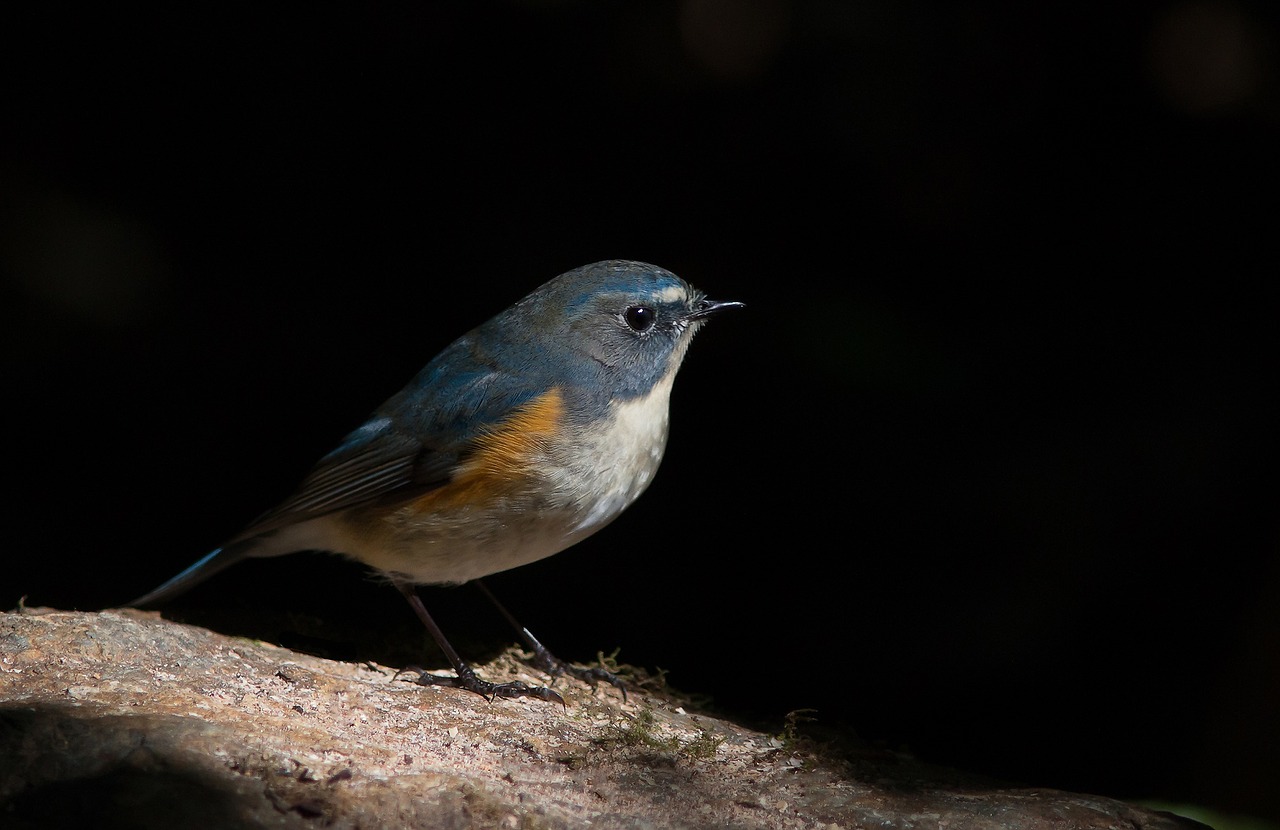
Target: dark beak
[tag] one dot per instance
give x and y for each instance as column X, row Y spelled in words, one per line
column 706, row 308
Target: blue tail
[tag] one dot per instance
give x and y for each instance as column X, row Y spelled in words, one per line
column 220, row 559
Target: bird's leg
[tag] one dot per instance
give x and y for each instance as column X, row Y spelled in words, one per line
column 466, row 677
column 548, row 662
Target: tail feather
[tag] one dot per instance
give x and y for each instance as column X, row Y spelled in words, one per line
column 215, row 562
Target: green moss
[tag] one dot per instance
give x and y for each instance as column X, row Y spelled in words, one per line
column 640, row 732
column 791, row 738
column 704, row 747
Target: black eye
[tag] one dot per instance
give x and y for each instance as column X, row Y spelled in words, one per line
column 639, row 317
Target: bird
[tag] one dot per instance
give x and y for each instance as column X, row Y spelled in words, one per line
column 521, row 438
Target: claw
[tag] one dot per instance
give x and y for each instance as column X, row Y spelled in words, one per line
column 548, row 662
column 554, row 666
column 490, row 691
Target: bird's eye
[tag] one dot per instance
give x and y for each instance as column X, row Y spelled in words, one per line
column 639, row 317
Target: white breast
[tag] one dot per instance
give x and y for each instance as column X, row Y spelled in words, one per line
column 617, row 464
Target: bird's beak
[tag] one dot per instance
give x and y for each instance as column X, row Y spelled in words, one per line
column 708, row 307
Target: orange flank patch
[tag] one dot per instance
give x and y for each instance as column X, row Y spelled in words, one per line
column 503, row 454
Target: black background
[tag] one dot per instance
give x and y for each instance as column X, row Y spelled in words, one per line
column 983, row 471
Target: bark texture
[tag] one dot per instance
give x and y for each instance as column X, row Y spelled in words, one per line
column 124, row 719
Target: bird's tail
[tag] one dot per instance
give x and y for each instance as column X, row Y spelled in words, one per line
column 223, row 557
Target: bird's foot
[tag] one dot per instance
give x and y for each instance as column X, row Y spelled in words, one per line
column 593, row 675
column 471, row 682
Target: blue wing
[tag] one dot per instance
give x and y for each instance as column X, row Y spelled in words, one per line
column 410, row 445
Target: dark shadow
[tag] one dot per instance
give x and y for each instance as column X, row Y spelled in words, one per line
column 62, row 767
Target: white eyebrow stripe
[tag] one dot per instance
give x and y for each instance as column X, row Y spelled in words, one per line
column 671, row 294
